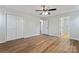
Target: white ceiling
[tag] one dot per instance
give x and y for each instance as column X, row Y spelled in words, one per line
column 31, row 8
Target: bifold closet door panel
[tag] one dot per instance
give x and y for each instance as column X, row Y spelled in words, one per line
column 2, row 27
column 11, row 27
column 19, row 27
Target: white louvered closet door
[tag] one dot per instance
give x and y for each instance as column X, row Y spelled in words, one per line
column 11, row 27
column 2, row 27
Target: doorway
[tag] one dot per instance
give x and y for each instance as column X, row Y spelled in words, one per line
column 44, row 27
column 64, row 28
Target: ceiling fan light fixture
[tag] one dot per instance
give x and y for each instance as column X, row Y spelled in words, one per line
column 45, row 13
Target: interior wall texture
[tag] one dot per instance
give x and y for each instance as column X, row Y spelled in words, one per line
column 31, row 26
column 15, row 25
column 54, row 24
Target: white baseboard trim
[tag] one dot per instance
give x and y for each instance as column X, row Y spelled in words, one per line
column 53, row 35
column 26, row 37
column 19, row 38
column 2, row 41
column 74, row 39
column 10, row 40
column 31, row 35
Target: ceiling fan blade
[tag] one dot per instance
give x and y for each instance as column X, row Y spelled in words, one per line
column 51, row 9
column 38, row 10
column 48, row 13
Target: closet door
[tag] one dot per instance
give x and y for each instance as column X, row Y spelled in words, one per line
column 2, row 27
column 11, row 27
column 19, row 27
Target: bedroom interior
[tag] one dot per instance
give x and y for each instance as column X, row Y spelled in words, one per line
column 39, row 28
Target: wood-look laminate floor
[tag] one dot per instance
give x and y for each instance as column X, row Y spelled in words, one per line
column 40, row 44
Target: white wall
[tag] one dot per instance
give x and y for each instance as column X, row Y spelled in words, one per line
column 19, row 27
column 73, row 24
column 53, row 26
column 15, row 25
column 31, row 26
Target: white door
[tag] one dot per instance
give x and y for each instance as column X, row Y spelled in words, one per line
column 45, row 26
column 64, row 27
column 19, row 27
column 11, row 27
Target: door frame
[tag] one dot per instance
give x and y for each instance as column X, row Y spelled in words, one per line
column 61, row 23
column 42, row 30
